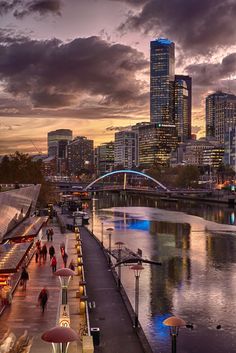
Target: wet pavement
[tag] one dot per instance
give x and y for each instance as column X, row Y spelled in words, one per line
column 24, row 312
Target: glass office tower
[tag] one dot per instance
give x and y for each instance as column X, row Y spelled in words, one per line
column 162, row 76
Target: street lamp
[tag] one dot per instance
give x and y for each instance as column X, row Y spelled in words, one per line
column 60, row 337
column 119, row 244
column 64, row 275
column 137, row 271
column 110, row 230
column 102, row 229
column 174, row 324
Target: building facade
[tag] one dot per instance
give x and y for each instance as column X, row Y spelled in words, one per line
column 125, row 148
column 183, row 106
column 105, row 158
column 156, row 143
column 54, row 137
column 162, row 76
column 220, row 114
column 80, row 155
column 230, row 148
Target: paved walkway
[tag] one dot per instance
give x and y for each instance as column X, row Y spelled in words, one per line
column 24, row 313
column 110, row 314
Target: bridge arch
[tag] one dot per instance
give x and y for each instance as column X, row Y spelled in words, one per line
column 125, row 171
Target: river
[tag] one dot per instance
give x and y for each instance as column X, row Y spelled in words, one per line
column 196, row 244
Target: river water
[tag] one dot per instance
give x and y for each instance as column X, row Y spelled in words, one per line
column 196, row 244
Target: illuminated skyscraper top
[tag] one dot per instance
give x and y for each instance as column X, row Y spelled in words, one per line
column 162, row 71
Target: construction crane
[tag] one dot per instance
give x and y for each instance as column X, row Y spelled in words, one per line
column 40, row 152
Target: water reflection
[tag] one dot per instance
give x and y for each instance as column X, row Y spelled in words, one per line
column 197, row 278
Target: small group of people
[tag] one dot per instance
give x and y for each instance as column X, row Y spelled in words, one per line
column 49, row 233
column 41, row 252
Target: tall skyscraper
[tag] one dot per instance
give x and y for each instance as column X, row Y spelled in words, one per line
column 162, row 76
column 220, row 114
column 183, row 106
column 54, row 137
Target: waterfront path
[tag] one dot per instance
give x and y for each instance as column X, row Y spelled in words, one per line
column 110, row 315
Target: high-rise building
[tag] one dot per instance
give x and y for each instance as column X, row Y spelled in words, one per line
column 220, row 114
column 162, row 76
column 54, row 137
column 156, row 143
column 230, row 148
column 125, row 149
column 80, row 155
column 105, row 158
column 183, row 106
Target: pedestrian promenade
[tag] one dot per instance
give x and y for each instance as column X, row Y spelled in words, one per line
column 110, row 315
column 24, row 312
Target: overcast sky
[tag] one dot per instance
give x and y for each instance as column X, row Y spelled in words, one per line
column 84, row 64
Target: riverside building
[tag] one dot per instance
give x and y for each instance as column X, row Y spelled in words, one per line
column 156, row 143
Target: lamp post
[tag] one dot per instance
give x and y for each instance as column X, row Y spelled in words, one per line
column 174, row 324
column 119, row 244
column 110, row 230
column 64, row 275
column 102, row 230
column 137, row 271
column 60, row 337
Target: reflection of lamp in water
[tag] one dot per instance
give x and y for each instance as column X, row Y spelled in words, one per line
column 137, row 271
column 119, row 244
column 64, row 275
column 60, row 337
column 110, row 230
column 174, row 324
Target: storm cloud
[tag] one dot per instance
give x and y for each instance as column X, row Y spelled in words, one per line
column 52, row 74
column 21, row 8
column 197, row 26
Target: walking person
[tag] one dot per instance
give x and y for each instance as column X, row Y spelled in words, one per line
column 48, row 234
column 37, row 255
column 24, row 278
column 64, row 258
column 51, row 251
column 51, row 234
column 44, row 251
column 54, row 264
column 43, row 298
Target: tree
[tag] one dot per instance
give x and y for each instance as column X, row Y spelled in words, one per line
column 188, row 176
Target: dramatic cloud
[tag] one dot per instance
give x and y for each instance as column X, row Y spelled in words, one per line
column 21, row 8
column 198, row 26
column 52, row 74
column 212, row 75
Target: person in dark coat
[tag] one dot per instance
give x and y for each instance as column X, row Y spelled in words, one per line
column 43, row 298
column 51, row 251
column 24, row 277
column 44, row 251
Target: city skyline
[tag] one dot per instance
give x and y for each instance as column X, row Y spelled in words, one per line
column 46, row 84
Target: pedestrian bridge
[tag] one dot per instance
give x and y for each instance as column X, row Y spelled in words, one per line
column 126, row 180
